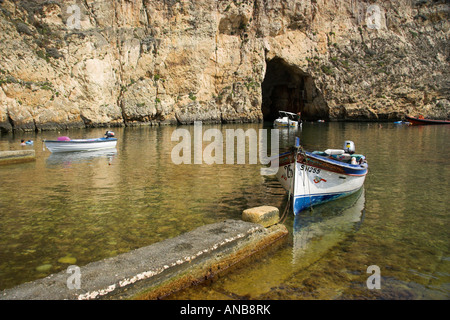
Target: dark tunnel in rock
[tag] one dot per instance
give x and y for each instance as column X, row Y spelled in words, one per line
column 287, row 88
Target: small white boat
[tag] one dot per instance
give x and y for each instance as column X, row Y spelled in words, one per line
column 65, row 144
column 321, row 176
column 287, row 119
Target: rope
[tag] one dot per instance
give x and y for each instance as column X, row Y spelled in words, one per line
column 305, row 177
column 291, row 188
column 309, row 192
column 286, row 209
column 288, row 203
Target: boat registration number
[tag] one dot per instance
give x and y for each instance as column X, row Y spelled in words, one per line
column 306, row 168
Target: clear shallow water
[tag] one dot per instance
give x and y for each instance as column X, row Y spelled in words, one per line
column 62, row 210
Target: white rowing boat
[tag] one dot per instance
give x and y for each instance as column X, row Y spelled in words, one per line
column 65, row 144
column 287, row 119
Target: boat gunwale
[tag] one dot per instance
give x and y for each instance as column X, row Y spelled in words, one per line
column 358, row 167
column 81, row 140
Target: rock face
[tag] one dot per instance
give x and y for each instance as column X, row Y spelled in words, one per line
column 88, row 63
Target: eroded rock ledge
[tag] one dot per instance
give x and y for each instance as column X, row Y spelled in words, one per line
column 145, row 62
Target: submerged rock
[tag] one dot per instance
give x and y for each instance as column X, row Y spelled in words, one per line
column 68, row 260
column 44, row 267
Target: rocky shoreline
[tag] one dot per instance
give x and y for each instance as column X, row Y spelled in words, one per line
column 119, row 63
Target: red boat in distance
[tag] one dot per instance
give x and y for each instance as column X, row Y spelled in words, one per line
column 421, row 120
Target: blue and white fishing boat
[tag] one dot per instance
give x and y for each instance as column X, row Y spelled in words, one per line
column 320, row 176
column 65, row 144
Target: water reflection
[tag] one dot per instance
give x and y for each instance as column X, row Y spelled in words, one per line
column 67, row 158
column 94, row 205
column 326, row 225
column 287, row 135
column 399, row 223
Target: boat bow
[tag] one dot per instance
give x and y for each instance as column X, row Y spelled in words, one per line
column 317, row 177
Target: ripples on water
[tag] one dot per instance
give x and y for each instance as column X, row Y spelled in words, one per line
column 63, row 209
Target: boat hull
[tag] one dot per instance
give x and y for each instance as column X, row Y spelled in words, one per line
column 80, row 145
column 418, row 121
column 316, row 179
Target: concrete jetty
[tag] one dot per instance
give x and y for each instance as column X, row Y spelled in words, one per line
column 157, row 270
column 16, row 156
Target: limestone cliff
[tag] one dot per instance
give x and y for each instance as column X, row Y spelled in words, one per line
column 132, row 62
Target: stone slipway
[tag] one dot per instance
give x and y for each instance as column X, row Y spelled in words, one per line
column 16, row 156
column 160, row 269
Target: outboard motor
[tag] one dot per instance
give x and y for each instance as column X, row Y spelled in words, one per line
column 109, row 134
column 349, row 147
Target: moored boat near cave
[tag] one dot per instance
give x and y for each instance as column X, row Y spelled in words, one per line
column 316, row 177
column 422, row 121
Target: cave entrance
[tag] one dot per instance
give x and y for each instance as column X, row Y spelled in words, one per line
column 288, row 88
